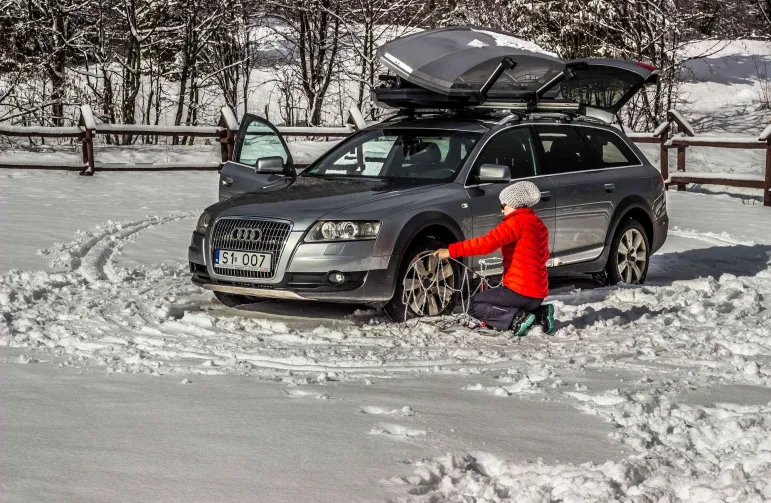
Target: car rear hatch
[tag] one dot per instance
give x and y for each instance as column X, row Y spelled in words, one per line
column 465, row 66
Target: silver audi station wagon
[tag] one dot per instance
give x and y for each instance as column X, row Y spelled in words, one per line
column 472, row 113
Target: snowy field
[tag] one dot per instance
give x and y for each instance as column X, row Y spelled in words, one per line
column 124, row 382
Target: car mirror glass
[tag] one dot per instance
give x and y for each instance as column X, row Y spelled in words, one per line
column 270, row 165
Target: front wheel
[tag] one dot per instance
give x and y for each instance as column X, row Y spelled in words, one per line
column 425, row 285
column 629, row 255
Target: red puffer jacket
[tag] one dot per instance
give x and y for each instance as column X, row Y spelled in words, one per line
column 524, row 242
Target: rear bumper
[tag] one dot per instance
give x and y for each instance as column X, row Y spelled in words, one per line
column 660, row 232
column 369, row 280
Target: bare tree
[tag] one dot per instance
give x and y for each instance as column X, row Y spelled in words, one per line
column 47, row 34
column 311, row 31
column 367, row 24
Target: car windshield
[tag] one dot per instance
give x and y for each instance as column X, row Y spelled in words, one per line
column 419, row 154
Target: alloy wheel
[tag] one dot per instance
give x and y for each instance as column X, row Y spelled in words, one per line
column 632, row 257
column 429, row 285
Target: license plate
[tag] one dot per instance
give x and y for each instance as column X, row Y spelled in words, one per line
column 247, row 261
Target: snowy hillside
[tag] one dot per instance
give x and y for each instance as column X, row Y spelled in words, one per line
column 728, row 91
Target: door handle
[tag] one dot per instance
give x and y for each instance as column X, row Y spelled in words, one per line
column 545, row 195
column 227, row 181
column 610, row 187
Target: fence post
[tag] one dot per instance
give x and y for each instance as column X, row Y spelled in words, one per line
column 227, row 138
column 766, row 137
column 662, row 133
column 88, row 123
column 357, row 118
column 767, row 188
column 684, row 127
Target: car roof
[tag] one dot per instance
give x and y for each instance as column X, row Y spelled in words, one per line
column 487, row 123
column 450, row 123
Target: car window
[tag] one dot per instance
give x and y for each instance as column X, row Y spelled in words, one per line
column 259, row 141
column 613, row 150
column 399, row 153
column 564, row 151
column 513, row 148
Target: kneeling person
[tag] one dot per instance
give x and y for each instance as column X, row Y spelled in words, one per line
column 524, row 243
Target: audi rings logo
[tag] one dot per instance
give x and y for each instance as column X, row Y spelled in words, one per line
column 242, row 234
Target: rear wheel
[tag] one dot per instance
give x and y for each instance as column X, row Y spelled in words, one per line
column 425, row 285
column 233, row 300
column 629, row 256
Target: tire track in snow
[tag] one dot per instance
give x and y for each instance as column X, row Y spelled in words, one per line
column 722, row 239
column 96, row 263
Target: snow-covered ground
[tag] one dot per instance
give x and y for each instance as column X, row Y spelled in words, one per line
column 122, row 381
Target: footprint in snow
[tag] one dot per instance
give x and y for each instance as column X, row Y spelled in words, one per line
column 298, row 393
column 397, row 431
column 380, row 411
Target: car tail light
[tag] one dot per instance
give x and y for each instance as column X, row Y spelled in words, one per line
column 646, row 66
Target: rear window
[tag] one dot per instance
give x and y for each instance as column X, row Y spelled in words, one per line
column 564, row 151
column 613, row 150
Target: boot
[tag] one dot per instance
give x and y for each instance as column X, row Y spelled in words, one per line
column 522, row 322
column 545, row 318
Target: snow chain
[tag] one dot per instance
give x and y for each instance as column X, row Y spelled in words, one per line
column 423, row 283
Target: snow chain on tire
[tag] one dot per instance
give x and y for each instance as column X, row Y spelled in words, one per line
column 420, row 291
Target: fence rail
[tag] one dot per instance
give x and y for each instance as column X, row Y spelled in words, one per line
column 676, row 133
column 86, row 130
column 684, row 137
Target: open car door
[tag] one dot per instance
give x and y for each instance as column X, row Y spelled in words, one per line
column 602, row 87
column 261, row 160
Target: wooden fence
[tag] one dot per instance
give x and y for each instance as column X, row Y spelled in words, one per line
column 675, row 133
column 87, row 129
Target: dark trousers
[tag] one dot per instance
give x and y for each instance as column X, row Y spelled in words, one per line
column 498, row 306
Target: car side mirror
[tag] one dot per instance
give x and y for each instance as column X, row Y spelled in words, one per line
column 494, row 173
column 270, row 165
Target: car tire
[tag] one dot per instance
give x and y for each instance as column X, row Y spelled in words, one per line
column 629, row 256
column 232, row 300
column 397, row 310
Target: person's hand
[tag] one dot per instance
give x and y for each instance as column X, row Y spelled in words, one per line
column 442, row 253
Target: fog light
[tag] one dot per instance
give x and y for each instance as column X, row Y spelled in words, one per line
column 336, row 278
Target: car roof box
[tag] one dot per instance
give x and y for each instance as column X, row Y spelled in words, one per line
column 460, row 67
column 450, row 66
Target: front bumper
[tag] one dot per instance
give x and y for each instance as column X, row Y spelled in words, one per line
column 303, row 270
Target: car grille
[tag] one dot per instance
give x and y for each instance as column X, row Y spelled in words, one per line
column 273, row 237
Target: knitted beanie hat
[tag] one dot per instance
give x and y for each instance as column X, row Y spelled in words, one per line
column 521, row 195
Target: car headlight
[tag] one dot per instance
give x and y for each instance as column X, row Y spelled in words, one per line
column 334, row 230
column 203, row 222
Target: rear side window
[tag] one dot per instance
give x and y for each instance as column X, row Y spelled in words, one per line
column 513, row 148
column 564, row 150
column 613, row 150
